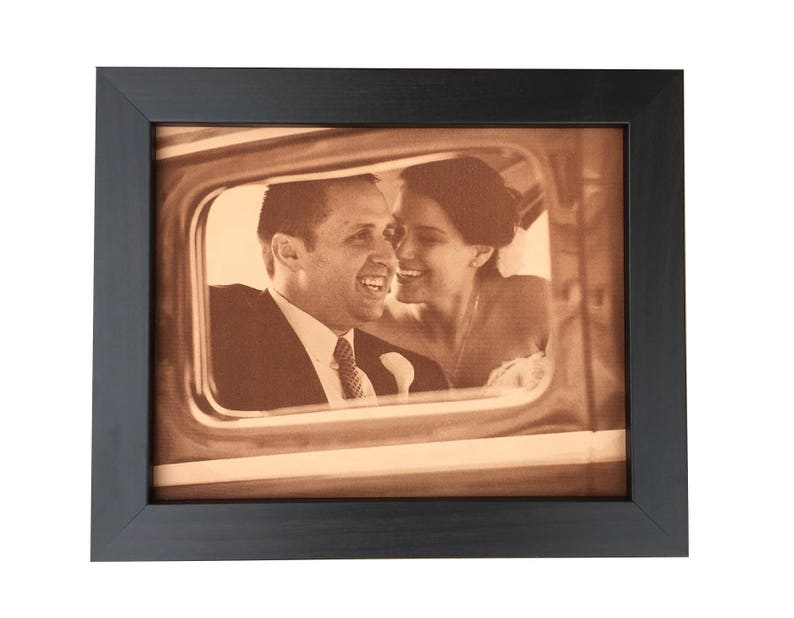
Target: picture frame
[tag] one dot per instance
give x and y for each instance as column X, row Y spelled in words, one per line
column 127, row 524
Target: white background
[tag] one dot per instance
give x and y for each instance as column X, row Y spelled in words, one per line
column 739, row 236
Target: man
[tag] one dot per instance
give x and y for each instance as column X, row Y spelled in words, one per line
column 327, row 246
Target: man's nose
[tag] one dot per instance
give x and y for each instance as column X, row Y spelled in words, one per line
column 384, row 254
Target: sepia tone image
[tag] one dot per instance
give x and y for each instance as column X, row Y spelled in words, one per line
column 389, row 312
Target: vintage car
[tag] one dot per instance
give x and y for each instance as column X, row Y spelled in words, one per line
column 566, row 436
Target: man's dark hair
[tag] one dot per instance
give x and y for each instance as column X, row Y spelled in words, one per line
column 296, row 208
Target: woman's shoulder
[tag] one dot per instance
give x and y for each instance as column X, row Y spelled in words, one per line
column 518, row 284
column 518, row 305
column 526, row 295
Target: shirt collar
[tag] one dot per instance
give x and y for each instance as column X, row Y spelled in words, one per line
column 318, row 340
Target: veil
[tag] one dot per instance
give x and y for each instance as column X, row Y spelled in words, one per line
column 528, row 252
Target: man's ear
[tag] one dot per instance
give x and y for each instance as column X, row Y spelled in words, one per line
column 287, row 251
column 482, row 255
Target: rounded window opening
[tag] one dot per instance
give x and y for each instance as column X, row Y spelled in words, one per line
column 434, row 268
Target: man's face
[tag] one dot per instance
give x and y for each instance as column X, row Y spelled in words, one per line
column 345, row 277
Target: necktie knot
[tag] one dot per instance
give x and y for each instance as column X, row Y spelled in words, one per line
column 348, row 375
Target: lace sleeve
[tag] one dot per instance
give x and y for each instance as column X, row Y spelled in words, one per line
column 526, row 372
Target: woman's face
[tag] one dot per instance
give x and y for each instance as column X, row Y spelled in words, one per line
column 434, row 262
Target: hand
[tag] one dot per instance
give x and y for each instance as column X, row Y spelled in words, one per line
column 525, row 372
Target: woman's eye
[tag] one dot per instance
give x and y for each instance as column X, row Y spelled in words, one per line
column 361, row 235
column 428, row 240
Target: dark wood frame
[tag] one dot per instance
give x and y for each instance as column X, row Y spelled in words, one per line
column 126, row 525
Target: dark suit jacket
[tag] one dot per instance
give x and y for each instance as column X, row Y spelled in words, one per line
column 258, row 362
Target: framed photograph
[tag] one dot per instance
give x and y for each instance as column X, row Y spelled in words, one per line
column 388, row 313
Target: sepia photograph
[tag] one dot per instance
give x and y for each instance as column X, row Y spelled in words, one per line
column 423, row 309
column 349, row 312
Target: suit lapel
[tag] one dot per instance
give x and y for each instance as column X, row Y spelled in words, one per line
column 293, row 378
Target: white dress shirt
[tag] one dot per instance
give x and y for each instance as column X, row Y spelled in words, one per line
column 319, row 341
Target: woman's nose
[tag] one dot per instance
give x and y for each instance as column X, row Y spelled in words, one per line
column 405, row 248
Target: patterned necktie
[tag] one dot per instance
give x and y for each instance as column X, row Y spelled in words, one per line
column 351, row 381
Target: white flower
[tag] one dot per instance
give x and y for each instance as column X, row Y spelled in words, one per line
column 402, row 370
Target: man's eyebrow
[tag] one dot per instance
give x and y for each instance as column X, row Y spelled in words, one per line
column 366, row 225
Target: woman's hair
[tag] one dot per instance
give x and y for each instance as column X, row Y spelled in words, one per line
column 474, row 196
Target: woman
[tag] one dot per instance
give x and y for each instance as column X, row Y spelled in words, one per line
column 449, row 300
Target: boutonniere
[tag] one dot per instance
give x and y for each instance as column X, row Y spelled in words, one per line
column 402, row 370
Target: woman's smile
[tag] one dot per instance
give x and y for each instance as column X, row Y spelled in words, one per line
column 409, row 275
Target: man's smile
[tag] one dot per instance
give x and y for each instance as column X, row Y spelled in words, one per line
column 374, row 283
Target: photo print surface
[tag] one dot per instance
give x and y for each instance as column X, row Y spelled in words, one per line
column 389, row 312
